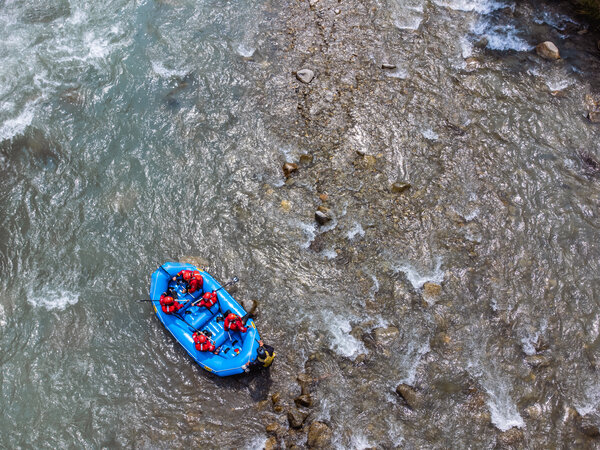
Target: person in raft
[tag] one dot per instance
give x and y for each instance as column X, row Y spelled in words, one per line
column 265, row 354
column 208, row 300
column 195, row 284
column 233, row 322
column 191, row 280
column 169, row 306
column 204, row 344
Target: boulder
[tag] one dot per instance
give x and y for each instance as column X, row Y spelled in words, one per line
column 510, row 437
column 289, row 168
column 547, row 50
column 296, row 418
column 432, row 289
column 399, row 187
column 588, row 426
column 305, row 75
column 250, row 306
column 594, row 116
column 319, row 435
column 271, row 443
column 275, row 398
column 409, row 395
column 303, row 400
column 197, row 261
column 272, row 428
column 323, row 215
column 385, row 336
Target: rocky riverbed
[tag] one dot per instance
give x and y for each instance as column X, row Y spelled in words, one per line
column 408, row 192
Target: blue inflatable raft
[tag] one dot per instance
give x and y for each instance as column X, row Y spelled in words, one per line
column 237, row 349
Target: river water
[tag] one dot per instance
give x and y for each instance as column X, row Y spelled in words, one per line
column 138, row 132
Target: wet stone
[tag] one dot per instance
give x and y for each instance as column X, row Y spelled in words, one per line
column 594, row 116
column 589, row 427
column 432, row 289
column 388, row 66
column 271, row 443
column 296, row 418
column 538, row 361
column 272, row 428
column 322, row 217
column 323, row 197
column 303, row 400
column 289, row 168
column 510, row 437
column 305, row 75
column 399, row 187
column 250, row 306
column 275, row 398
column 385, row 336
column 409, row 395
column 319, row 435
column 306, row 159
column 547, row 50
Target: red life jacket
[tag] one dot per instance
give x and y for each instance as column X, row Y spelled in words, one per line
column 166, row 300
column 209, row 299
column 169, row 309
column 195, row 284
column 234, row 323
column 203, row 344
column 185, row 274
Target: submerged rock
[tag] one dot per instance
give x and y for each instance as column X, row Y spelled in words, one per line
column 399, row 187
column 303, row 400
column 250, row 306
column 271, row 443
column 432, row 289
column 296, row 417
column 319, row 435
column 588, row 426
column 305, row 75
column 197, row 261
column 323, row 215
column 385, row 336
column 272, row 428
column 409, row 395
column 510, row 437
column 547, row 50
column 289, row 168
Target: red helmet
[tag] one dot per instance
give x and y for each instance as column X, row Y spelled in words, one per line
column 232, row 316
column 187, row 274
column 196, row 274
column 201, row 339
column 206, row 296
column 168, row 300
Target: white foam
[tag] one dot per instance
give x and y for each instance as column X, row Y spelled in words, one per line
column 419, row 279
column 162, row 71
column 502, row 408
column 472, row 215
column 245, row 51
column 559, row 85
column 357, row 230
column 375, row 288
column 501, row 37
column 16, row 126
column 329, row 254
column 308, row 230
column 398, row 73
column 415, row 354
column 430, row 134
column 479, row 6
column 410, row 22
column 591, row 401
column 51, row 299
column 256, row 443
column 3, row 320
column 342, row 341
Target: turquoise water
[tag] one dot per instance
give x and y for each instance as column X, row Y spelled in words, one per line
column 132, row 133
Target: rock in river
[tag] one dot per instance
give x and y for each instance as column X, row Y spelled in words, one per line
column 385, row 336
column 303, row 400
column 400, row 187
column 319, row 435
column 409, row 395
column 548, row 50
column 305, row 75
column 289, row 168
column 296, row 418
column 323, row 215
